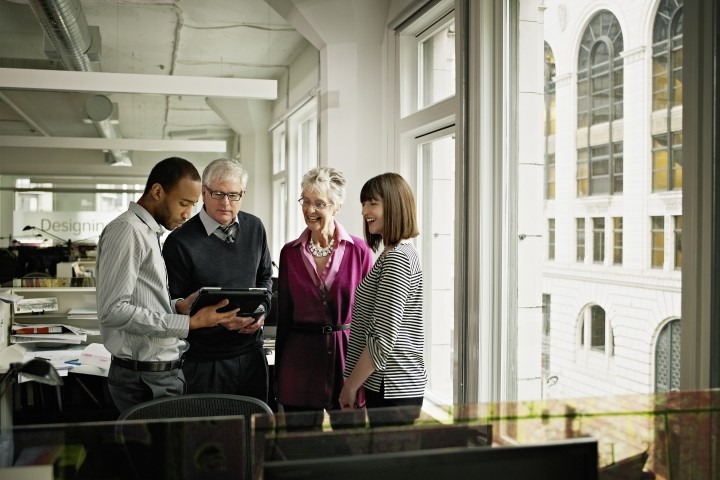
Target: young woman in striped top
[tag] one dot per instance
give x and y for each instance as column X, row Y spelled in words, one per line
column 386, row 350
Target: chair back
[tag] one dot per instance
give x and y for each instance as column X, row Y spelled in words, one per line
column 204, row 448
column 196, row 405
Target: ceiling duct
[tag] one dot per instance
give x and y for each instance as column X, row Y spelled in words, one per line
column 99, row 110
column 64, row 22
column 78, row 47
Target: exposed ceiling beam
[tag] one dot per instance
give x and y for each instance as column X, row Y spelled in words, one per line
column 22, row 114
column 149, row 145
column 28, row 79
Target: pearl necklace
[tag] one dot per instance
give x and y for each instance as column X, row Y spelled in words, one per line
column 318, row 251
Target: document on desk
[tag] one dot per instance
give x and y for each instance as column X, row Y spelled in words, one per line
column 58, row 358
column 92, row 359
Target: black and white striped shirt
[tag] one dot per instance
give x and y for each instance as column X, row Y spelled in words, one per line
column 387, row 318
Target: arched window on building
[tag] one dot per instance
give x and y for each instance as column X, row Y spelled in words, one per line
column 594, row 330
column 549, row 123
column 600, row 104
column 667, row 357
column 666, row 122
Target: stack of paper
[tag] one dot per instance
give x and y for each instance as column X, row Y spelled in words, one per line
column 82, row 314
column 47, row 333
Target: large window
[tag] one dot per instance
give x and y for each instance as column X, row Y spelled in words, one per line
column 436, row 186
column 295, row 151
column 600, row 71
column 667, row 96
column 554, row 119
column 425, row 48
column 549, row 123
column 599, row 105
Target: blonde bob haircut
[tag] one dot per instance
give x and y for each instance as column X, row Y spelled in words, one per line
column 399, row 213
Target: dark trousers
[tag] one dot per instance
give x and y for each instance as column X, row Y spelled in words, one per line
column 383, row 411
column 129, row 388
column 246, row 375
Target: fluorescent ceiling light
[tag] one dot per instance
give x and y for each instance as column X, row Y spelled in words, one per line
column 137, row 144
column 71, row 81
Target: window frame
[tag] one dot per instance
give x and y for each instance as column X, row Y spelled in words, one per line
column 297, row 149
column 415, row 127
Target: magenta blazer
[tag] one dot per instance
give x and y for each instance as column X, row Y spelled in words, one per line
column 309, row 347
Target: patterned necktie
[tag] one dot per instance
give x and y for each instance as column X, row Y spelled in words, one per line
column 227, row 232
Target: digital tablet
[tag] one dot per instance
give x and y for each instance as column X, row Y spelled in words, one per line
column 246, row 299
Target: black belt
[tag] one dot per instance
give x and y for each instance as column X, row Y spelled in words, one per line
column 139, row 366
column 321, row 328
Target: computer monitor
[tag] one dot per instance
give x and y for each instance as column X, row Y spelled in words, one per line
column 576, row 459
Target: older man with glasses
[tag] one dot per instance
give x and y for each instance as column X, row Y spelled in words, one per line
column 223, row 247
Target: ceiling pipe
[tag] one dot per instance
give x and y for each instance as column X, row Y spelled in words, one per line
column 65, row 24
column 99, row 110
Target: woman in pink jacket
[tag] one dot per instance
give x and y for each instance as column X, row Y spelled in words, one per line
column 316, row 287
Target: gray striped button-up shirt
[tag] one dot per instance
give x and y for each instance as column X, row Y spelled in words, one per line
column 137, row 317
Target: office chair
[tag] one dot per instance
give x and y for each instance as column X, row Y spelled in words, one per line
column 205, row 448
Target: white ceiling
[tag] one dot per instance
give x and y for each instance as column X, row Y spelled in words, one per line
column 202, row 38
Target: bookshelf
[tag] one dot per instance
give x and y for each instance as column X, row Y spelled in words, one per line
column 83, row 397
column 68, row 298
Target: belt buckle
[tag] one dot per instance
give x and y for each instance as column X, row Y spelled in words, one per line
column 326, row 329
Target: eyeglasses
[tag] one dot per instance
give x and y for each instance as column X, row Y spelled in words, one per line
column 305, row 203
column 233, row 197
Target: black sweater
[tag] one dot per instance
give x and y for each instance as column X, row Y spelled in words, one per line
column 195, row 259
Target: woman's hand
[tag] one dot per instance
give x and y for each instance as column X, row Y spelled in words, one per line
column 348, row 396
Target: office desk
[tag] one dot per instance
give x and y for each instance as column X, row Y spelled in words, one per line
column 82, row 398
column 673, row 436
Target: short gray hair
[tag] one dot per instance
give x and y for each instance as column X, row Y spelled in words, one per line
column 325, row 180
column 222, row 169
